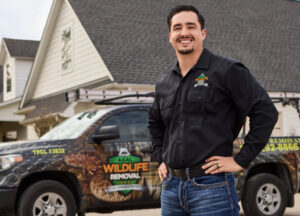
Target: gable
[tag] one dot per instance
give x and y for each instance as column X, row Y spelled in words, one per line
column 16, row 56
column 86, row 64
column 9, row 78
column 8, row 73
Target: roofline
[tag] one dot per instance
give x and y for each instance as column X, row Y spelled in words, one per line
column 9, row 102
column 24, row 58
column 50, row 24
column 18, row 39
column 25, row 110
column 128, row 86
column 69, row 89
column 2, row 53
column 284, row 91
column 95, row 49
column 31, row 120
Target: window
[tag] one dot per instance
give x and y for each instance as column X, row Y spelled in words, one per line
column 8, row 78
column 66, row 51
column 9, row 136
column 132, row 125
column 75, row 126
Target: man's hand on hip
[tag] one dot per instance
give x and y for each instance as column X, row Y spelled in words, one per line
column 162, row 171
column 218, row 164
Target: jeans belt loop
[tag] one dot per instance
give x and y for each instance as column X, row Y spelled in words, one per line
column 187, row 171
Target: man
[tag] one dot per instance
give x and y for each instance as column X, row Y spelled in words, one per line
column 199, row 109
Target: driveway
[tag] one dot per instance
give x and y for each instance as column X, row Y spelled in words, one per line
column 156, row 212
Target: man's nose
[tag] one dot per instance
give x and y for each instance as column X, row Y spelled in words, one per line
column 184, row 32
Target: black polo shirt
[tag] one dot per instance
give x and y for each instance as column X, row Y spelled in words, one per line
column 199, row 115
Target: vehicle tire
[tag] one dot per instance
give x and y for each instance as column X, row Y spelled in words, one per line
column 264, row 195
column 47, row 197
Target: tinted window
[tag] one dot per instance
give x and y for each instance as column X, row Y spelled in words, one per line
column 132, row 125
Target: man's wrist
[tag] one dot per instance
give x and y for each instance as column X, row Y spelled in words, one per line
column 242, row 164
column 159, row 163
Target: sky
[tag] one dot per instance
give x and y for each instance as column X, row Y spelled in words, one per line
column 23, row 19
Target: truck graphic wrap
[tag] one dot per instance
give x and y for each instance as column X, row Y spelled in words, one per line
column 279, row 150
column 125, row 171
column 109, row 175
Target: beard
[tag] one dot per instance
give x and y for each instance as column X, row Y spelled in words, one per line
column 184, row 52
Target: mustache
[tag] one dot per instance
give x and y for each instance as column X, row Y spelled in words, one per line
column 184, row 37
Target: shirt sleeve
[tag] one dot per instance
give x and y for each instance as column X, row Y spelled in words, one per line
column 157, row 131
column 251, row 100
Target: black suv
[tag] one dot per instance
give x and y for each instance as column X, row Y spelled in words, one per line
column 95, row 161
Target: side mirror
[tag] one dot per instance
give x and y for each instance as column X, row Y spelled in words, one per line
column 106, row 133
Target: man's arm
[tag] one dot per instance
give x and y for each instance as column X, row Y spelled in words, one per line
column 251, row 100
column 157, row 132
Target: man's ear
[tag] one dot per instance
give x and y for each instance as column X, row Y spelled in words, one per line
column 170, row 37
column 203, row 31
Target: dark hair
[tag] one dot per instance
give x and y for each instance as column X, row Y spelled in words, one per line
column 181, row 8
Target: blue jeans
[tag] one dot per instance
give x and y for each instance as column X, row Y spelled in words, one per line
column 211, row 195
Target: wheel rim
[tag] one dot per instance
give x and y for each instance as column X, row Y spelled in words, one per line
column 49, row 204
column 268, row 199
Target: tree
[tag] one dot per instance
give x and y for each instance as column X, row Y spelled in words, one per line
column 46, row 122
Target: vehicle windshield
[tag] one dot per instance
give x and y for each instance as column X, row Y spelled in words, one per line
column 73, row 127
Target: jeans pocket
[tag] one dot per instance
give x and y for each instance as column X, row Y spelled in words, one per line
column 165, row 182
column 199, row 183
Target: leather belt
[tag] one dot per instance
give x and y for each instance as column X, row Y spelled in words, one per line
column 194, row 171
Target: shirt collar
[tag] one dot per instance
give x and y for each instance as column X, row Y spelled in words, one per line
column 203, row 62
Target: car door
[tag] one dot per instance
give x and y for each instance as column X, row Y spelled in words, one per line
column 127, row 173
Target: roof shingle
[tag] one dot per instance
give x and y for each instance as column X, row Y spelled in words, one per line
column 21, row 48
column 132, row 37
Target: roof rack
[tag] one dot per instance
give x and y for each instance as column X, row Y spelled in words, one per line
column 115, row 97
column 286, row 98
column 105, row 97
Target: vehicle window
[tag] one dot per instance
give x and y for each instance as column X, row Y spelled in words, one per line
column 132, row 125
column 75, row 126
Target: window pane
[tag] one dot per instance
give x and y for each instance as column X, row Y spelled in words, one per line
column 75, row 126
column 132, row 125
column 8, row 78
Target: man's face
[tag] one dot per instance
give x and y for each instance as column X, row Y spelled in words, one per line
column 185, row 34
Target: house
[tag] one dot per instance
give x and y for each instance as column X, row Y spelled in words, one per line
column 16, row 58
column 124, row 45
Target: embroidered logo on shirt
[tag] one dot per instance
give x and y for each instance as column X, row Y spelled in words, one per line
column 201, row 80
